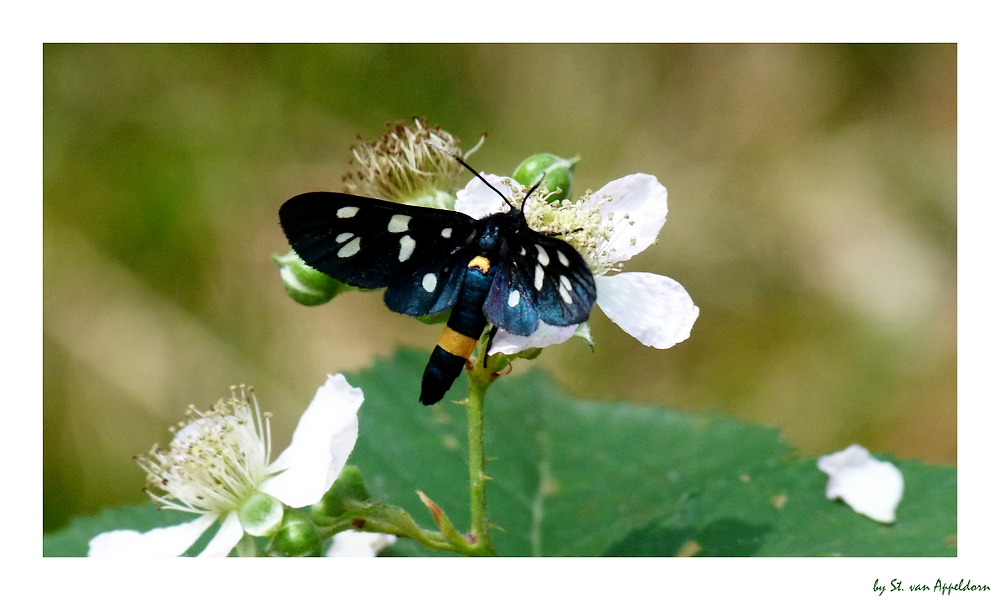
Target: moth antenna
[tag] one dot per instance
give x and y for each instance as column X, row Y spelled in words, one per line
column 474, row 172
column 541, row 178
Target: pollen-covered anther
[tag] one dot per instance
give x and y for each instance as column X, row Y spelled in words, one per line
column 578, row 222
column 216, row 460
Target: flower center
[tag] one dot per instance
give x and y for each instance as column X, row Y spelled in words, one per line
column 216, row 460
column 578, row 222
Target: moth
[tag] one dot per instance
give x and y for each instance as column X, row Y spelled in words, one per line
column 495, row 270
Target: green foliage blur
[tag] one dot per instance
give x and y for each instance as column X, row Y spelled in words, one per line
column 812, row 196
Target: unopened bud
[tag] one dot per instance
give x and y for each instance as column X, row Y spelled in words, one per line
column 556, row 171
column 347, row 492
column 297, row 537
column 305, row 284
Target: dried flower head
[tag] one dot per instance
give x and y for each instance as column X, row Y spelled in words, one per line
column 401, row 167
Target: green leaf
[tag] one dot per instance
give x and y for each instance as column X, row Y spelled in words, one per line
column 575, row 477
column 585, row 478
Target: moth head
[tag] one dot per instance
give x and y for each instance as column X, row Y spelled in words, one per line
column 506, row 200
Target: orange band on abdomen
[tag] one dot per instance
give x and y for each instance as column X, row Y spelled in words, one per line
column 455, row 343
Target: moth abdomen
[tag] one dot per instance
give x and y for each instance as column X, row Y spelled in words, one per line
column 495, row 269
column 460, row 335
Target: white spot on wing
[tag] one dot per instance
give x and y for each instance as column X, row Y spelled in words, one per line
column 347, row 212
column 523, row 252
column 350, row 248
column 430, row 282
column 446, row 232
column 344, row 237
column 539, row 277
column 564, row 288
column 562, row 258
column 543, row 256
column 399, row 223
column 513, row 298
column 406, row 246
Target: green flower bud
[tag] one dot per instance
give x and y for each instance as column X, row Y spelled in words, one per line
column 260, row 514
column 346, row 493
column 297, row 537
column 305, row 284
column 558, row 172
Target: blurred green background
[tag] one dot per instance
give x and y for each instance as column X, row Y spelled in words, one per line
column 812, row 219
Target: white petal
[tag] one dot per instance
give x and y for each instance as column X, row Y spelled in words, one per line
column 320, row 445
column 654, row 309
column 477, row 200
column 545, row 335
column 870, row 486
column 163, row 541
column 226, row 538
column 644, row 200
column 359, row 543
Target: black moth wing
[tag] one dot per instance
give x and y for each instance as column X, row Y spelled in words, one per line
column 539, row 278
column 371, row 244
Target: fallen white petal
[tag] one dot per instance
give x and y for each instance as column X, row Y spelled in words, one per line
column 869, row 486
column 644, row 200
column 477, row 200
column 359, row 543
column 654, row 309
column 162, row 541
column 546, row 335
column 226, row 538
column 320, row 446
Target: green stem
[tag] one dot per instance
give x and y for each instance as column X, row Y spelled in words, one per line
column 364, row 516
column 480, row 379
column 401, row 526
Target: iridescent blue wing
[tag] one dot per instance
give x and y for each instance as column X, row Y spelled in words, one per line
column 539, row 278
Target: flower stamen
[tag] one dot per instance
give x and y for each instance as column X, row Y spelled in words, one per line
column 217, row 458
column 400, row 166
